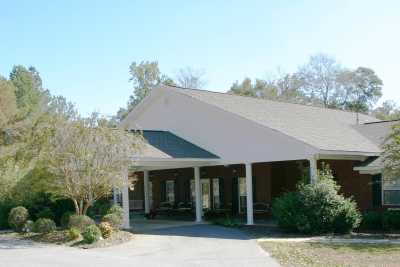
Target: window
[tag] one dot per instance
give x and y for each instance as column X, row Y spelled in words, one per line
column 216, row 197
column 170, row 191
column 242, row 194
column 391, row 191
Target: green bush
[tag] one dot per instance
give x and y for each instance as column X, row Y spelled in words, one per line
column 44, row 226
column 372, row 220
column 81, row 222
column 64, row 220
column 116, row 209
column 114, row 220
column 106, row 229
column 317, row 208
column 17, row 218
column 91, row 234
column 29, row 227
column 5, row 208
column 73, row 233
column 286, row 210
column 99, row 208
column 45, row 213
column 391, row 220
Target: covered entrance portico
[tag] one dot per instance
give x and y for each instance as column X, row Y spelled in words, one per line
column 197, row 186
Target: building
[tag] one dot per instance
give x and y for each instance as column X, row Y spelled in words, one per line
column 223, row 152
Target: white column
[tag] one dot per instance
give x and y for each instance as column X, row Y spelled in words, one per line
column 249, row 194
column 125, row 201
column 197, row 193
column 313, row 169
column 146, row 192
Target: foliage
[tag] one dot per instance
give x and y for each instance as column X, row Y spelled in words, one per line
column 391, row 154
column 45, row 213
column 44, row 226
column 8, row 103
column 17, row 218
column 99, row 208
column 74, row 233
column 29, row 227
column 116, row 209
column 91, row 234
column 114, row 219
column 317, row 208
column 372, row 220
column 88, row 159
column 322, row 81
column 80, row 222
column 106, row 229
column 228, row 221
column 388, row 110
column 391, row 220
column 64, row 221
column 190, row 78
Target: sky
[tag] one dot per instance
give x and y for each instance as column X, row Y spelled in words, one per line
column 83, row 49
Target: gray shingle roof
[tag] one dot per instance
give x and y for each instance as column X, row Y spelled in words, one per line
column 164, row 144
column 325, row 129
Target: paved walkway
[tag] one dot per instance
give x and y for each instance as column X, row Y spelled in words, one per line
column 192, row 245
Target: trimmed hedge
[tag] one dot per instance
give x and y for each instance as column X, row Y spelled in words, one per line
column 91, row 234
column 114, row 220
column 44, row 226
column 17, row 218
column 80, row 222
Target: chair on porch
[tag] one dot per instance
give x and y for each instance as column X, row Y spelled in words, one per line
column 261, row 208
column 165, row 207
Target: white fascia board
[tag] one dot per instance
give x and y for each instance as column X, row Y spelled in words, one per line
column 154, row 94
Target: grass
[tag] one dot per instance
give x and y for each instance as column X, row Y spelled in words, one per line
column 322, row 254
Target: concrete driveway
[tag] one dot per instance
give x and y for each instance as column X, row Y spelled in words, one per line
column 192, row 245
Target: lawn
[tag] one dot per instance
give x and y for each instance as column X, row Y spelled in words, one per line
column 322, row 254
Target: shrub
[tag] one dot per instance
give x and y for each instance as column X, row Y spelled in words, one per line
column 28, row 227
column 91, row 234
column 99, row 208
column 5, row 208
column 106, row 229
column 81, row 222
column 73, row 233
column 372, row 220
column 286, row 210
column 17, row 218
column 44, row 226
column 64, row 220
column 114, row 220
column 116, row 209
column 45, row 213
column 391, row 220
column 317, row 208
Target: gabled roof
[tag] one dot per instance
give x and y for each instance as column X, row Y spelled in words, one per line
column 322, row 128
column 166, row 145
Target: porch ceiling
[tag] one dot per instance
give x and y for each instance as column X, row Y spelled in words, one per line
column 149, row 164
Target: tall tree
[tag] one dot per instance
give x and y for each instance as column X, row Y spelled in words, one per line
column 391, row 155
column 190, row 78
column 364, row 89
column 28, row 89
column 320, row 79
column 8, row 103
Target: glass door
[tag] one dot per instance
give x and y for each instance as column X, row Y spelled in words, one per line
column 242, row 194
column 205, row 193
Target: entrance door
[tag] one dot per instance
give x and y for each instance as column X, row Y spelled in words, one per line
column 242, row 194
column 205, row 193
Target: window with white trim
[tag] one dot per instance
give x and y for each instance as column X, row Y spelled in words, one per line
column 391, row 191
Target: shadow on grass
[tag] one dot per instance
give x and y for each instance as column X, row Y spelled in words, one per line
column 367, row 248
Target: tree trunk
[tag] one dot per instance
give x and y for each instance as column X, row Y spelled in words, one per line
column 76, row 206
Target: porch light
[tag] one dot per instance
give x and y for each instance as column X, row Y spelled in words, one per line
column 132, row 182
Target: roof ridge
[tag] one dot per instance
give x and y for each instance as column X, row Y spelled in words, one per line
column 271, row 100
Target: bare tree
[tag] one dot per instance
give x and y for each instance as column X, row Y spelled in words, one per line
column 190, row 78
column 88, row 159
column 320, row 79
